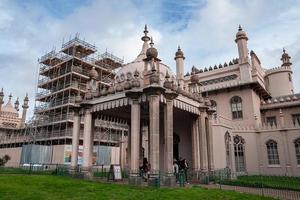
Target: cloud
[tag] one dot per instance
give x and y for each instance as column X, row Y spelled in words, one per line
column 204, row 29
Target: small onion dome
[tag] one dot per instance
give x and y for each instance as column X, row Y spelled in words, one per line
column 127, row 85
column 93, row 73
column 103, row 92
column 111, row 90
column 179, row 53
column 119, row 87
column 151, row 52
column 241, row 34
column 194, row 77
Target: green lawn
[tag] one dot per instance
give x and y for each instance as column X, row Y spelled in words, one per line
column 277, row 182
column 55, row 187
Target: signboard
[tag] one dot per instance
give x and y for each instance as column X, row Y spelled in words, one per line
column 115, row 173
column 68, row 154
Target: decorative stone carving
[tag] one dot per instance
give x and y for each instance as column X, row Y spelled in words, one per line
column 154, row 77
column 103, row 92
column 127, row 85
column 119, row 87
column 111, row 90
column 136, row 82
column 167, row 83
column 88, row 94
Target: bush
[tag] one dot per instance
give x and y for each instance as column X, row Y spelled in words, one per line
column 4, row 160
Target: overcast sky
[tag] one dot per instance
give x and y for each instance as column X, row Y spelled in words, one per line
column 205, row 30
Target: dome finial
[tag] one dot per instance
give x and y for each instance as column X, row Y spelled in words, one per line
column 151, row 42
column 240, row 28
column 146, row 29
column 1, row 93
column 283, row 50
column 10, row 96
column 145, row 38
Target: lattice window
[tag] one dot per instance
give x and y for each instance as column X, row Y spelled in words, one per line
column 239, row 153
column 296, row 119
column 271, row 121
column 272, row 151
column 236, row 107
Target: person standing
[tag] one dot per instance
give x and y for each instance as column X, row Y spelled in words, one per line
column 176, row 170
column 185, row 167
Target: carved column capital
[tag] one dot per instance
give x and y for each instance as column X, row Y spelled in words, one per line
column 170, row 95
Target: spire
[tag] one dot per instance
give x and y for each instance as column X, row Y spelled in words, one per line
column 25, row 107
column 1, row 96
column 10, row 96
column 26, row 100
column 17, row 103
column 1, row 93
column 145, row 39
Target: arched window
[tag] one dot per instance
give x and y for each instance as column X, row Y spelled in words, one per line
column 297, row 148
column 239, row 153
column 272, row 151
column 236, row 107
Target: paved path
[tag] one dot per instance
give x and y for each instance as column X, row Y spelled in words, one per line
column 281, row 194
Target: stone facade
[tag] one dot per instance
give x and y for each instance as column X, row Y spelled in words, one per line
column 235, row 115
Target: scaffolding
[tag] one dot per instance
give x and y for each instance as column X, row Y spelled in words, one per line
column 63, row 75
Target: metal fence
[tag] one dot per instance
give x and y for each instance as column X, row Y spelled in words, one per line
column 282, row 187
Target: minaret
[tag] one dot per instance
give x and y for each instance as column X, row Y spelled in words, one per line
column 285, row 58
column 179, row 58
column 1, row 98
column 17, row 103
column 25, row 107
column 241, row 41
column 245, row 67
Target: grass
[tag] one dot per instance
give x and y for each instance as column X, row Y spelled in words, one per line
column 276, row 182
column 55, row 187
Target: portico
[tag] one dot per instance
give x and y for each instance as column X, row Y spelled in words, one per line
column 150, row 99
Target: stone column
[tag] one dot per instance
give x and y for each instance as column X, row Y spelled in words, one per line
column 135, row 143
column 75, row 140
column 154, row 137
column 196, row 131
column 134, row 137
column 203, row 144
column 123, row 150
column 169, row 179
column 194, row 144
column 209, row 136
column 87, row 143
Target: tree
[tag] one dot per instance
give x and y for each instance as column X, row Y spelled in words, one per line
column 4, row 160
